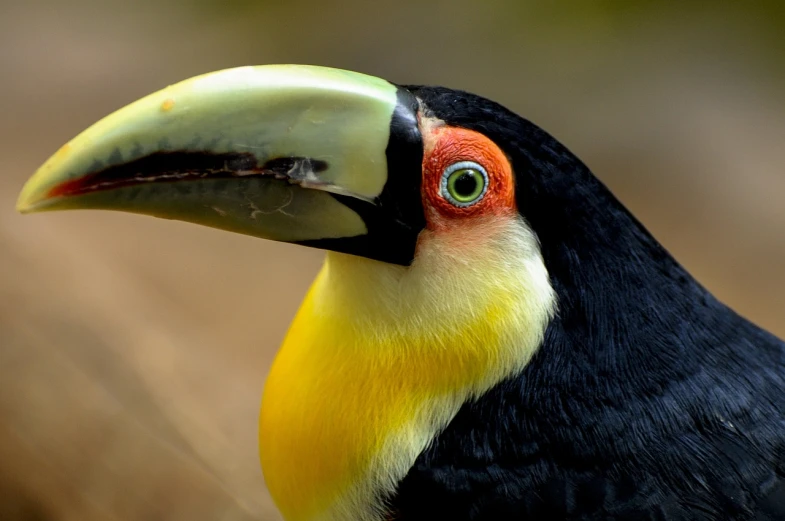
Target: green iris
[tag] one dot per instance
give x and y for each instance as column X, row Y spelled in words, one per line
column 465, row 183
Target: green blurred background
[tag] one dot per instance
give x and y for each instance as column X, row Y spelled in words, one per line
column 133, row 350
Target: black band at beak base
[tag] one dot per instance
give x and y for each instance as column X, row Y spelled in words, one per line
column 396, row 218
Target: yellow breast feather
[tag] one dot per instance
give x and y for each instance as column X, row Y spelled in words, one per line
column 380, row 358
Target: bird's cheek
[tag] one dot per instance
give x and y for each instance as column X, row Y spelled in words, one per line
column 436, row 221
column 462, row 239
column 444, row 219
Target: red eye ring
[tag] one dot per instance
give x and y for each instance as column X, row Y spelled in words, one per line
column 446, row 147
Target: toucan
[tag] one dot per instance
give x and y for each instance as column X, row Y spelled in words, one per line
column 492, row 335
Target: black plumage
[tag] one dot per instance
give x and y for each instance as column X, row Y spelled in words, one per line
column 649, row 398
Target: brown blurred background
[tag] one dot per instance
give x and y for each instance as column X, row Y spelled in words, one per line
column 133, row 350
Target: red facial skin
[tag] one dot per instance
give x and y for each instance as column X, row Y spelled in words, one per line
column 445, row 146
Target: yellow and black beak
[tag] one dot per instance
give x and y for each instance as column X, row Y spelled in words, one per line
column 303, row 154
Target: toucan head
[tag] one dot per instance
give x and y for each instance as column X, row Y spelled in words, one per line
column 455, row 230
column 315, row 156
column 353, row 164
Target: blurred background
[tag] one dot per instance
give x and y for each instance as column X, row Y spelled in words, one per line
column 133, row 351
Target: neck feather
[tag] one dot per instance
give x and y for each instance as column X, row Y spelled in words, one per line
column 380, row 358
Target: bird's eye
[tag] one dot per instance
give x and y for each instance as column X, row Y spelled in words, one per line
column 464, row 183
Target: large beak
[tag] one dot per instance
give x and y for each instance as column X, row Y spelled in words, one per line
column 304, row 154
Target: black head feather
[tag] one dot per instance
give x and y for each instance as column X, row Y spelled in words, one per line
column 649, row 398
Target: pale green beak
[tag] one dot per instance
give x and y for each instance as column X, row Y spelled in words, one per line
column 283, row 152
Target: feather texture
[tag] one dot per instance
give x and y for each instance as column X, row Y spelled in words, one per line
column 649, row 399
column 381, row 357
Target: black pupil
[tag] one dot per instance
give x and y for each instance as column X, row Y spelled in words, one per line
column 466, row 184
